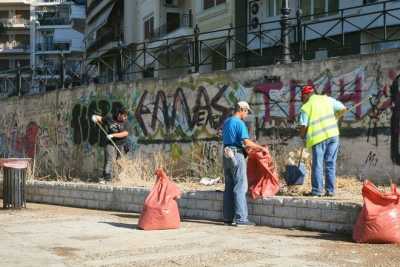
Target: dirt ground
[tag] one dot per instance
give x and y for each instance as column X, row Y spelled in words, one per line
column 44, row 235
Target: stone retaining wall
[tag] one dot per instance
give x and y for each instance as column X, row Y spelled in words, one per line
column 285, row 212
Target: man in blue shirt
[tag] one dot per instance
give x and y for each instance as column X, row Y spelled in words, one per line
column 236, row 139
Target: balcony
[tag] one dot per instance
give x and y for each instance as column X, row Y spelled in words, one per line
column 100, row 41
column 53, row 2
column 14, row 47
column 15, row 22
column 175, row 22
column 53, row 47
column 54, row 21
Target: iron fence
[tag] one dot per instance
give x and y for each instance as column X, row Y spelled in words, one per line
column 361, row 29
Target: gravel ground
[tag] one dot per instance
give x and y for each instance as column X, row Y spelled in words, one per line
column 44, row 235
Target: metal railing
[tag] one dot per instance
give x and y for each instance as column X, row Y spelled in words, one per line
column 54, row 21
column 9, row 22
column 54, row 46
column 15, row 45
column 348, row 31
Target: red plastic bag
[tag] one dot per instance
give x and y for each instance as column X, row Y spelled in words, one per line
column 160, row 210
column 262, row 175
column 379, row 220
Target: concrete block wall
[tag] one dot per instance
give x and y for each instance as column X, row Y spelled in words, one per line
column 284, row 212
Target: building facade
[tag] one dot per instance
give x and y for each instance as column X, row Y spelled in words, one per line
column 14, row 44
column 57, row 33
column 156, row 38
column 323, row 28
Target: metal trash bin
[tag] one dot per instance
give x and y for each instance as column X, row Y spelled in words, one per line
column 14, row 179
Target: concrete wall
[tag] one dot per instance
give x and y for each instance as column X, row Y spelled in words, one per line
column 172, row 115
column 284, row 212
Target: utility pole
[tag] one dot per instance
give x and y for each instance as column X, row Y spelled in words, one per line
column 62, row 69
column 285, row 41
column 18, row 79
column 196, row 50
column 299, row 19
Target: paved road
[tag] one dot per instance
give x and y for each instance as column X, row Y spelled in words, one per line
column 44, row 235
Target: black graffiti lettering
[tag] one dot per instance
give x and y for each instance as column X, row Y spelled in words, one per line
column 94, row 130
column 199, row 108
column 140, row 110
column 179, row 98
column 84, row 123
column 75, row 124
column 202, row 117
column 164, row 110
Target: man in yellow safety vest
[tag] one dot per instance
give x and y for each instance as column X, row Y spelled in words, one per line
column 318, row 126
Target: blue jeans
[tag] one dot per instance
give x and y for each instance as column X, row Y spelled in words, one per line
column 324, row 157
column 235, row 203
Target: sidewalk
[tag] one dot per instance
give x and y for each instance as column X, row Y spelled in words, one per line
column 44, row 235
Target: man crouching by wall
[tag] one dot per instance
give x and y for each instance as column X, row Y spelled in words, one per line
column 236, row 139
column 116, row 127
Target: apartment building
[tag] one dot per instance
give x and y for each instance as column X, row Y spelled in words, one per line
column 328, row 28
column 155, row 38
column 14, row 41
column 57, row 34
column 107, row 26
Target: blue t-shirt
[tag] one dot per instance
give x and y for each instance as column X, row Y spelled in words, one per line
column 337, row 106
column 234, row 132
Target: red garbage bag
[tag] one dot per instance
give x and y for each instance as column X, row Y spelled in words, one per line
column 262, row 175
column 160, row 210
column 379, row 220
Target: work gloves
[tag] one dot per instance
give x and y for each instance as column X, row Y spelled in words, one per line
column 109, row 136
column 96, row 118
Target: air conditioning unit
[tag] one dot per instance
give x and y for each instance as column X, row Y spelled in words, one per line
column 171, row 3
column 255, row 14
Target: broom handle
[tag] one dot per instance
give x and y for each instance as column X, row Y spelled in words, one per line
column 301, row 155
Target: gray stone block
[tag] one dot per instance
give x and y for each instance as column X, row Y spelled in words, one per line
column 275, row 201
column 285, row 212
column 263, row 210
column 308, row 214
column 256, row 219
column 290, row 223
column 271, row 221
column 336, row 216
column 295, row 202
column 320, row 226
column 204, row 204
column 93, row 204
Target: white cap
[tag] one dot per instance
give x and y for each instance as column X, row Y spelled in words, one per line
column 244, row 105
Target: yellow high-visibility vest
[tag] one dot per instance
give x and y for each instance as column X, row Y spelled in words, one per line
column 322, row 123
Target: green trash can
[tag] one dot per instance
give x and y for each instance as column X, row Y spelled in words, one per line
column 14, row 180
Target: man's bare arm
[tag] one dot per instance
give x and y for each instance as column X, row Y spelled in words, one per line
column 253, row 145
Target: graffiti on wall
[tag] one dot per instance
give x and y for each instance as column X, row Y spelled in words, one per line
column 190, row 111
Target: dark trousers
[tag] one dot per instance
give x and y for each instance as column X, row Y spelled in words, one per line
column 110, row 156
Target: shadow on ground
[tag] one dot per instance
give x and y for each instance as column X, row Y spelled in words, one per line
column 122, row 225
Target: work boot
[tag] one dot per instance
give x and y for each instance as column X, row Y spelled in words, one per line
column 230, row 223
column 329, row 194
column 311, row 194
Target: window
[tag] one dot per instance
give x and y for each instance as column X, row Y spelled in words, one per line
column 319, row 8
column 149, row 28
column 370, row 1
column 211, row 3
column 274, row 7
